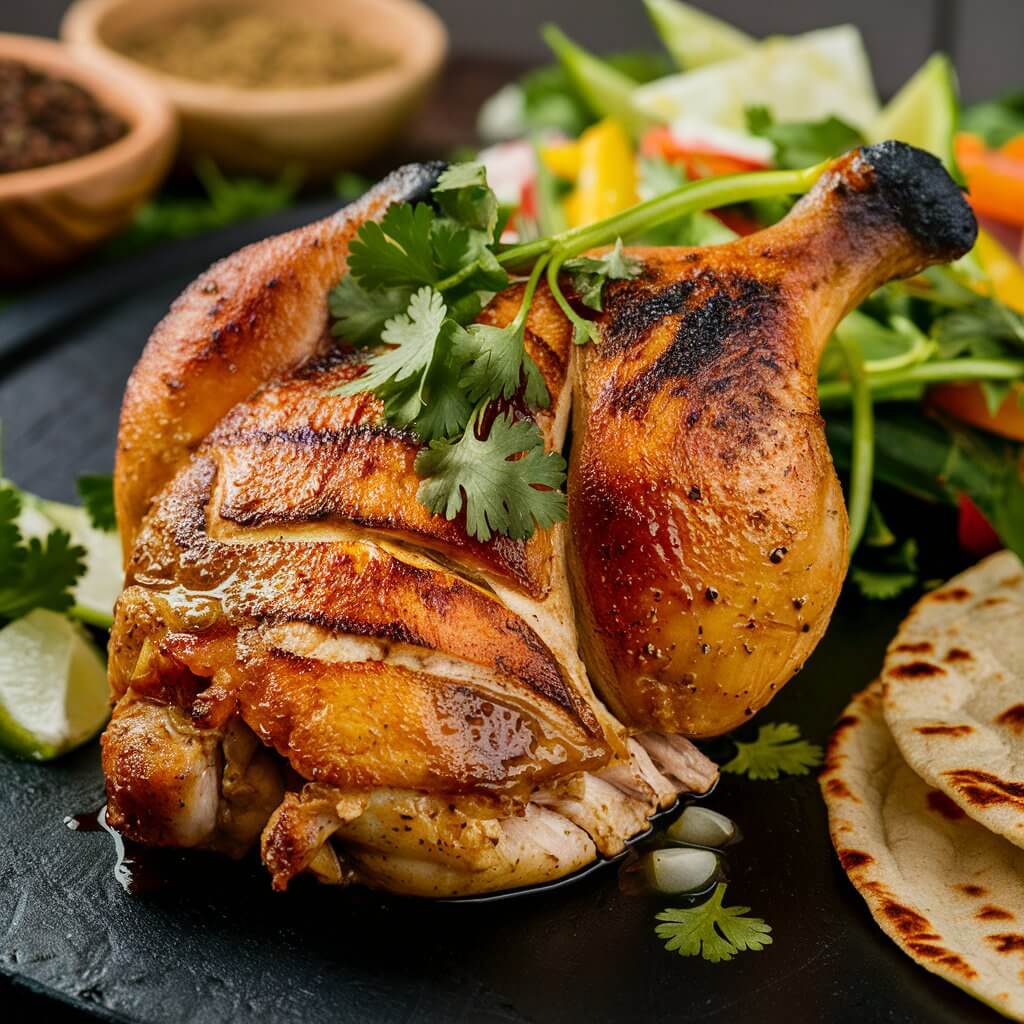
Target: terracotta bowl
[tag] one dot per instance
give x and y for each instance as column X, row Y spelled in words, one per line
column 51, row 215
column 322, row 128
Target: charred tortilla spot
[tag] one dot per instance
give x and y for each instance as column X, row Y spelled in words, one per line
column 922, row 647
column 941, row 804
column 851, row 859
column 976, row 891
column 955, row 654
column 984, row 789
column 908, row 922
column 840, row 789
column 954, row 594
column 917, row 670
column 1013, row 718
column 944, row 730
column 991, row 913
column 1007, row 942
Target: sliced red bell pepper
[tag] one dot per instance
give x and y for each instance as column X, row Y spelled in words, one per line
column 698, row 161
column 974, row 531
column 995, row 179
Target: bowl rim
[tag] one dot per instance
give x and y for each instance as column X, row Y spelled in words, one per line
column 151, row 119
column 416, row 63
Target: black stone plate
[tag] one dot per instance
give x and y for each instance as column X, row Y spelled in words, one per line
column 216, row 945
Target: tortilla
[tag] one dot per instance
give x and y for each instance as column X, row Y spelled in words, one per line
column 944, row 889
column 954, row 692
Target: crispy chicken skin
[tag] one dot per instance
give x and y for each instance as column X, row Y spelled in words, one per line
column 708, row 530
column 304, row 656
column 420, row 691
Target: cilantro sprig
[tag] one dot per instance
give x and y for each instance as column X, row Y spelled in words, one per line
column 97, row 493
column 778, row 750
column 417, row 280
column 712, row 931
column 34, row 573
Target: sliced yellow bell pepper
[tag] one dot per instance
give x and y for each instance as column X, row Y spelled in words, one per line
column 606, row 182
column 1005, row 273
column 562, row 159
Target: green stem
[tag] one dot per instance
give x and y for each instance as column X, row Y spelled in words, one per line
column 704, row 194
column 834, row 392
column 531, row 286
column 581, row 329
column 862, row 454
column 91, row 617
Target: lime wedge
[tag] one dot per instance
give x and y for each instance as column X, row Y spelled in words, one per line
column 799, row 78
column 53, row 686
column 693, row 37
column 96, row 592
column 924, row 111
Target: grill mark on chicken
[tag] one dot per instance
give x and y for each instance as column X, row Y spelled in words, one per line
column 725, row 309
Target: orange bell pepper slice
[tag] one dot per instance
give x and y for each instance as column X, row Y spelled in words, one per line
column 995, row 180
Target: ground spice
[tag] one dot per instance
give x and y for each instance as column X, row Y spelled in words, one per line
column 250, row 49
column 46, row 120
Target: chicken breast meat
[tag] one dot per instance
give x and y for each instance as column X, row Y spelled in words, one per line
column 304, row 658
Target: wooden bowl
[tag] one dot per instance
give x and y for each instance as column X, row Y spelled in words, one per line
column 322, row 128
column 51, row 215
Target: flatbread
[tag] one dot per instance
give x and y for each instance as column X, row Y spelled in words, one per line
column 954, row 692
column 947, row 891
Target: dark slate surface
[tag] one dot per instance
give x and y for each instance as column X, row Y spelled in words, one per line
column 215, row 945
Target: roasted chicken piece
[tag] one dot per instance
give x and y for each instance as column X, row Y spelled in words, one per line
column 708, row 530
column 432, row 726
column 302, row 654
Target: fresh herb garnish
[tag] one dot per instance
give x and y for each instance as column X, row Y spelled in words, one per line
column 996, row 121
column 500, row 491
column 712, row 931
column 35, row 574
column 799, row 143
column 417, row 280
column 97, row 493
column 777, row 750
column 889, row 576
column 591, row 273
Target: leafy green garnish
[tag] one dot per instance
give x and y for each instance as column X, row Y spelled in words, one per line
column 591, row 273
column 712, row 931
column 889, row 576
column 35, row 574
column 97, row 493
column 799, row 143
column 227, row 201
column 658, row 176
column 777, row 749
column 418, row 279
column 501, row 493
column 996, row 121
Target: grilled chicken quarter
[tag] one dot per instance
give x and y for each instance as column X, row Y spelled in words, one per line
column 303, row 657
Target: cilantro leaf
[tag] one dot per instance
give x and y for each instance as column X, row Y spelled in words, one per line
column 801, row 143
column 590, row 274
column 495, row 360
column 35, row 574
column 413, row 335
column 463, row 194
column 396, row 252
column 712, row 931
column 777, row 749
column 889, row 577
column 499, row 493
column 360, row 315
column 97, row 493
column 446, row 409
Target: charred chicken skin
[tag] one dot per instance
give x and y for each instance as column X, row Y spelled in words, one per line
column 303, row 657
column 708, row 529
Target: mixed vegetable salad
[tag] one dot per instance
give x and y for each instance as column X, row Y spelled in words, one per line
column 923, row 385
